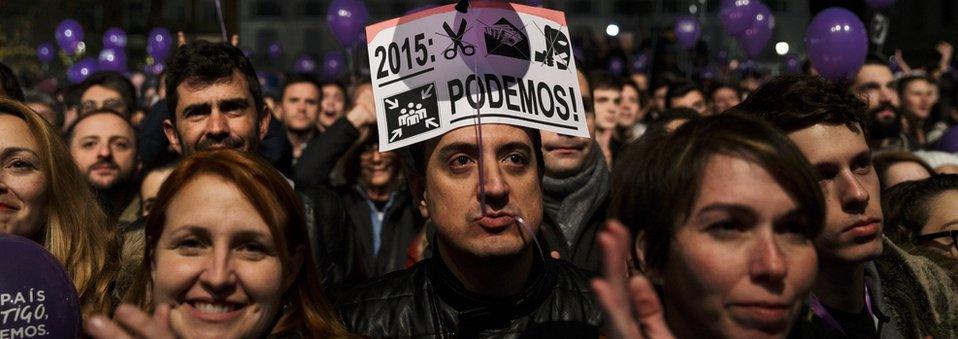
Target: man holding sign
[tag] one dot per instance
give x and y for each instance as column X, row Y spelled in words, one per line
column 480, row 184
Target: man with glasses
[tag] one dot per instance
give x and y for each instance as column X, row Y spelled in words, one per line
column 109, row 90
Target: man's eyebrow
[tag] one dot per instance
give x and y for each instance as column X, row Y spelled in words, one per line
column 233, row 103
column 196, row 108
column 457, row 147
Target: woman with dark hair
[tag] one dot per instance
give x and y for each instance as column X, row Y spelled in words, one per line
column 227, row 255
column 924, row 213
column 725, row 210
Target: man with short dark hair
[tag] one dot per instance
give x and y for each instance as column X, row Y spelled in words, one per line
column 110, row 90
column 606, row 98
column 103, row 145
column 299, row 111
column 487, row 276
column 686, row 94
column 867, row 287
column 875, row 83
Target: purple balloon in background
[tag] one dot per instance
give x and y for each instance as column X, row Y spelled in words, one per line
column 68, row 34
column 791, row 64
column 879, row 4
column 346, row 19
column 333, row 64
column 737, row 15
column 112, row 60
column 616, row 66
column 159, row 43
column 949, row 141
column 687, row 31
column 34, row 282
column 836, row 43
column 81, row 70
column 274, row 50
column 304, row 64
column 895, row 67
column 45, row 52
column 756, row 37
column 641, row 63
column 114, row 37
column 157, row 68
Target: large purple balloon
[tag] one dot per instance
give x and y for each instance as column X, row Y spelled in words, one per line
column 112, row 59
column 687, row 31
column 737, row 15
column 114, row 37
column 37, row 297
column 756, row 37
column 68, row 34
column 836, row 43
column 45, row 52
column 159, row 43
column 81, row 70
column 879, row 4
column 346, row 19
column 333, row 64
column 304, row 64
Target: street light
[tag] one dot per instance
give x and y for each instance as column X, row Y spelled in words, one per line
column 612, row 30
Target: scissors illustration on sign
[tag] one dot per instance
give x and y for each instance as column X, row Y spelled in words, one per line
column 457, row 44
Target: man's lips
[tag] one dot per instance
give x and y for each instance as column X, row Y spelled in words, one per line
column 496, row 220
column 564, row 148
column 863, row 228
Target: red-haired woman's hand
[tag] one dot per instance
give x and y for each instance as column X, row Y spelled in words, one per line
column 131, row 322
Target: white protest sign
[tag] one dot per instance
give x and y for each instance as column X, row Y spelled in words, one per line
column 434, row 70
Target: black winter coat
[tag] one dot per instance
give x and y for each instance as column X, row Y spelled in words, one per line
column 427, row 301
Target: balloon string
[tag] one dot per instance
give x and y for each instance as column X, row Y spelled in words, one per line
column 219, row 13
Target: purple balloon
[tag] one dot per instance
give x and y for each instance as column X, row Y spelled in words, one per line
column 756, row 37
column 304, row 64
column 616, row 66
column 274, row 50
column 35, row 284
column 333, row 64
column 879, row 4
column 157, row 68
column 159, row 43
column 895, row 67
column 68, row 34
column 115, row 38
column 45, row 52
column 111, row 59
column 641, row 63
column 81, row 70
column 346, row 19
column 737, row 15
column 837, row 43
column 687, row 31
column 791, row 64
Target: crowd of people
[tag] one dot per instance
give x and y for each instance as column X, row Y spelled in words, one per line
column 198, row 204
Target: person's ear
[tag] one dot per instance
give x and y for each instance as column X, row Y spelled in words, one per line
column 295, row 264
column 172, row 136
column 264, row 122
column 641, row 245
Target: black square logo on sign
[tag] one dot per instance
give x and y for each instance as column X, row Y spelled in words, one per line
column 557, row 50
column 503, row 38
column 412, row 112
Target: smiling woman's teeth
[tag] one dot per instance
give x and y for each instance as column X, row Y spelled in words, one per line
column 211, row 308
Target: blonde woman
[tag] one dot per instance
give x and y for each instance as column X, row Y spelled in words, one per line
column 44, row 197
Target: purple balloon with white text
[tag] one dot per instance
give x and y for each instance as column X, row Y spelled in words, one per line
column 159, row 43
column 69, row 34
column 836, row 43
column 687, row 31
column 737, row 15
column 114, row 37
column 756, row 37
column 45, row 52
column 347, row 18
column 111, row 59
column 81, row 70
column 37, row 296
column 304, row 64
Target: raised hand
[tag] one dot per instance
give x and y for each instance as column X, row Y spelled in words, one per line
column 131, row 322
column 363, row 112
column 632, row 307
